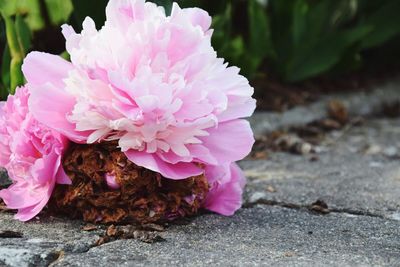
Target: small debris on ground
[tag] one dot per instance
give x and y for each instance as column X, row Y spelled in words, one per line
column 373, row 149
column 260, row 155
column 391, row 110
column 271, row 189
column 289, row 254
column 320, row 206
column 390, row 152
column 2, row 206
column 338, row 111
column 153, row 227
column 89, row 227
column 10, row 234
column 306, row 139
column 114, row 232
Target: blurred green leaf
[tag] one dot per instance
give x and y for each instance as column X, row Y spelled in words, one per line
column 5, row 73
column 16, row 76
column 65, row 55
column 281, row 20
column 299, row 25
column 12, row 39
column 30, row 9
column 385, row 22
column 16, row 46
column 319, row 17
column 222, row 25
column 23, row 35
column 3, row 93
column 5, row 67
column 167, row 4
column 59, row 10
column 324, row 54
column 260, row 44
column 91, row 8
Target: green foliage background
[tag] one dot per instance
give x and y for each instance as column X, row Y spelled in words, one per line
column 293, row 39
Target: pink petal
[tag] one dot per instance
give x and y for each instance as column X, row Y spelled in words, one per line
column 202, row 154
column 225, row 197
column 51, row 106
column 20, row 195
column 198, row 17
column 28, row 213
column 40, row 68
column 111, row 182
column 230, row 141
column 44, row 169
column 238, row 108
column 152, row 162
column 62, row 177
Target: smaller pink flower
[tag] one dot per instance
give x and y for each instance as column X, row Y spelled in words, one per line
column 31, row 154
column 226, row 188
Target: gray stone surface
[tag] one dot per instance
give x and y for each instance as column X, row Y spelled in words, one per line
column 3, row 177
column 262, row 235
column 357, row 173
column 42, row 241
column 353, row 172
column 358, row 104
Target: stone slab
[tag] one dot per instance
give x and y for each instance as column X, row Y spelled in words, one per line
column 42, row 241
column 357, row 103
column 4, row 178
column 259, row 236
column 354, row 172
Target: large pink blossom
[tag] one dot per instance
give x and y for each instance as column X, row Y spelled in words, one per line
column 154, row 83
column 31, row 153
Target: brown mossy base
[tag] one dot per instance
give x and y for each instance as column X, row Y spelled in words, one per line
column 144, row 196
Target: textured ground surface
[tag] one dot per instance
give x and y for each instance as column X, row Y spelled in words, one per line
column 356, row 173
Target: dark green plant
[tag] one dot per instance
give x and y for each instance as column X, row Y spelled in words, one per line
column 21, row 19
column 18, row 43
column 310, row 38
column 295, row 39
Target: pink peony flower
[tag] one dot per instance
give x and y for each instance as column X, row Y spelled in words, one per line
column 226, row 188
column 154, row 83
column 31, row 153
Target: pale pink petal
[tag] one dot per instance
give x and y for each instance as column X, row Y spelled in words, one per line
column 225, row 196
column 238, row 108
column 124, row 12
column 111, row 181
column 62, row 177
column 198, row 17
column 28, row 213
column 202, row 154
column 20, row 195
column 152, row 162
column 40, row 68
column 51, row 106
column 229, row 141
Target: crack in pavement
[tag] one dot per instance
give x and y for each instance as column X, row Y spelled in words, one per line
column 309, row 208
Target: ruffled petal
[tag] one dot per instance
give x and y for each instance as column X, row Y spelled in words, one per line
column 229, row 141
column 41, row 68
column 51, row 106
column 196, row 16
column 25, row 214
column 227, row 183
column 152, row 162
